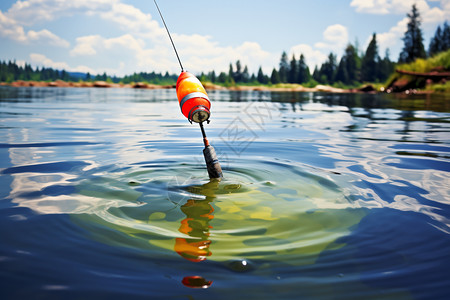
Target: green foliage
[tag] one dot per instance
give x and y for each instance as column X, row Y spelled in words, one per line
column 440, row 87
column 153, row 78
column 426, row 65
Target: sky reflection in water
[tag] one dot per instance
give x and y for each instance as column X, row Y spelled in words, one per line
column 342, row 195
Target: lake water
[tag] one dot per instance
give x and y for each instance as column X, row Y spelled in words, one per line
column 105, row 195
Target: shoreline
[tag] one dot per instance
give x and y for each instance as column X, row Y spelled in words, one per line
column 208, row 86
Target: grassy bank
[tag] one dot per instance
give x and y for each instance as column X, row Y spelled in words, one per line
column 438, row 64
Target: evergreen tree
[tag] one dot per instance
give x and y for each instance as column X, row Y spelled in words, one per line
column 293, row 71
column 369, row 64
column 245, row 76
column 316, row 74
column 328, row 70
column 237, row 76
column 303, row 70
column 212, row 76
column 341, row 73
column 261, row 78
column 445, row 37
column 436, row 42
column 284, row 68
column 413, row 41
column 275, row 77
column 385, row 67
column 352, row 63
column 222, row 77
column 230, row 71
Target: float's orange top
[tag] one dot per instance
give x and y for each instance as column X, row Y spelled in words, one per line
column 191, row 94
column 188, row 83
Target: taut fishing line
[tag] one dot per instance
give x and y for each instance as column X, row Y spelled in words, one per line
column 170, row 37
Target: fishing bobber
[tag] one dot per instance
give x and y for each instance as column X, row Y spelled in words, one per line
column 194, row 101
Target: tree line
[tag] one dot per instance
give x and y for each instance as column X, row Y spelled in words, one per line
column 353, row 68
column 10, row 71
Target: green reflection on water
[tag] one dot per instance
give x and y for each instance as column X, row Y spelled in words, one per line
column 292, row 218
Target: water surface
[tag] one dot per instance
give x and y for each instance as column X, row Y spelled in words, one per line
column 104, row 193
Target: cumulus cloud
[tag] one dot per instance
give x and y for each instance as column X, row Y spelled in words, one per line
column 46, row 37
column 145, row 46
column 313, row 56
column 392, row 37
column 334, row 37
column 31, row 12
column 11, row 29
column 387, row 6
column 42, row 60
column 85, row 45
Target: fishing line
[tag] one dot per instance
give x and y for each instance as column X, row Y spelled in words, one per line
column 170, row 37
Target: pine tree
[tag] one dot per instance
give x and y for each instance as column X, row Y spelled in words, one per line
column 303, row 70
column 237, row 76
column 328, row 70
column 230, row 72
column 261, row 78
column 352, row 63
column 293, row 71
column 222, row 77
column 436, row 42
column 341, row 73
column 275, row 77
column 445, row 37
column 413, row 40
column 369, row 64
column 284, row 68
column 316, row 74
column 385, row 67
column 245, row 76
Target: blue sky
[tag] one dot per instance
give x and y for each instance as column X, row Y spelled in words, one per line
column 125, row 36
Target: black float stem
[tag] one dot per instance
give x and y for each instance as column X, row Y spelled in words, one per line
column 212, row 162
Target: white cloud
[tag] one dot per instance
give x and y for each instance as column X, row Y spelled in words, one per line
column 133, row 20
column 313, row 57
column 335, row 37
column 392, row 37
column 385, row 7
column 46, row 37
column 9, row 28
column 86, row 45
column 37, row 11
column 42, row 60
column 370, row 6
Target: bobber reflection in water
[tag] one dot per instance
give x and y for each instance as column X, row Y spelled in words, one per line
column 195, row 106
column 196, row 226
column 195, row 247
